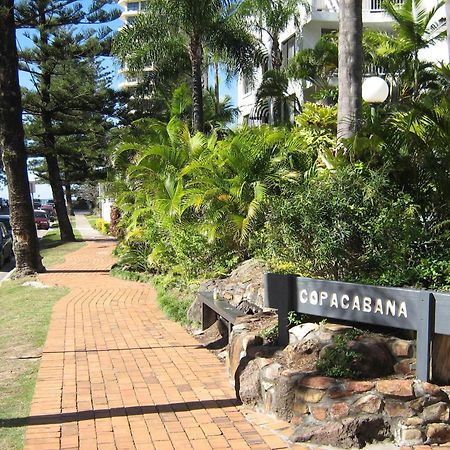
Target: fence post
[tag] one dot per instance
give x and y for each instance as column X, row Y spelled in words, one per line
column 425, row 330
column 279, row 291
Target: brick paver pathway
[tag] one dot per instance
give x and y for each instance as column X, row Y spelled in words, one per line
column 116, row 374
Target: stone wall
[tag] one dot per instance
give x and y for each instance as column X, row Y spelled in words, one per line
column 339, row 412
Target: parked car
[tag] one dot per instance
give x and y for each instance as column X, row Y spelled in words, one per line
column 41, row 220
column 5, row 221
column 6, row 246
column 50, row 210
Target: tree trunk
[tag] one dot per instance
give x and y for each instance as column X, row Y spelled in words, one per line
column 217, row 88
column 350, row 67
column 26, row 245
column 54, row 174
column 48, row 138
column 196, row 55
column 447, row 18
column 277, row 63
column 68, row 192
column 441, row 360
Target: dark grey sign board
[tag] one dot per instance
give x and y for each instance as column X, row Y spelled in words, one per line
column 426, row 312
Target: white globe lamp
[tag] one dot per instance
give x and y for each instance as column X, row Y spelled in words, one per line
column 375, row 90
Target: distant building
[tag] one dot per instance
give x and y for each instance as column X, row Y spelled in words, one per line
column 323, row 18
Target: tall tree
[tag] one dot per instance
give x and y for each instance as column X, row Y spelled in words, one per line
column 53, row 41
column 173, row 30
column 28, row 259
column 349, row 67
column 268, row 19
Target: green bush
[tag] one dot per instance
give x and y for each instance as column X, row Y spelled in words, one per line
column 349, row 225
column 102, row 226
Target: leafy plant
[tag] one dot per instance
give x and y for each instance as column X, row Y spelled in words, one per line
column 337, row 360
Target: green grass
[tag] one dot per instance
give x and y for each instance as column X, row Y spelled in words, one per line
column 24, row 323
column 53, row 250
column 91, row 219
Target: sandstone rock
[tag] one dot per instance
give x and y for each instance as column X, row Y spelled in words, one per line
column 339, row 410
column 284, row 397
column 317, row 382
column 395, row 408
column 405, row 366
column 300, row 332
column 438, row 433
column 401, row 348
column 309, row 395
column 396, row 388
column 410, row 436
column 423, row 388
column 349, row 433
column 370, row 404
column 249, row 385
column 348, row 388
column 439, row 412
column 359, row 386
column 240, row 347
column 300, row 407
column 319, row 413
column 413, row 421
column 375, row 359
column 194, row 313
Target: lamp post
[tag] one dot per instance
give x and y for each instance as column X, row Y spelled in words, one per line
column 374, row 90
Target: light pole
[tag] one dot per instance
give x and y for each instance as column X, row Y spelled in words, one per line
column 374, row 90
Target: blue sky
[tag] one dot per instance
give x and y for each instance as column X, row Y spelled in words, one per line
column 44, row 191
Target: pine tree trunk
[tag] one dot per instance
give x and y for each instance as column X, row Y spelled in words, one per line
column 54, row 174
column 68, row 192
column 350, row 67
column 26, row 245
column 196, row 55
column 48, row 137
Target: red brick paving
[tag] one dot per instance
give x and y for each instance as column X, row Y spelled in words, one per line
column 116, row 374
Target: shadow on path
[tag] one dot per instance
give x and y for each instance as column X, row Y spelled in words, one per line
column 48, row 419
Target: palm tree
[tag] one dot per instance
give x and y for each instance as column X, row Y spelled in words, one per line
column 171, row 30
column 416, row 28
column 270, row 18
column 350, row 67
column 26, row 247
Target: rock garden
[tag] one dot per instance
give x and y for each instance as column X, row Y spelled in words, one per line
column 336, row 384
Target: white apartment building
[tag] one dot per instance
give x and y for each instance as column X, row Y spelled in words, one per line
column 322, row 18
column 131, row 8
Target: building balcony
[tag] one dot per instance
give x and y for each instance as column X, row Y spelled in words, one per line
column 328, row 10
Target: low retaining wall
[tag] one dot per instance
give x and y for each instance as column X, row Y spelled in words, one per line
column 339, row 412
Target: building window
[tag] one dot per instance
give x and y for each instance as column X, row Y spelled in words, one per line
column 289, row 49
column 246, row 84
column 133, row 6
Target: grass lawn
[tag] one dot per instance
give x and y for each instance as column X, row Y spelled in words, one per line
column 91, row 219
column 24, row 320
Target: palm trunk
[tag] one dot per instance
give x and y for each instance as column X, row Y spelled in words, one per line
column 350, row 68
column 68, row 192
column 447, row 18
column 216, row 88
column 277, row 63
column 54, row 174
column 196, row 55
column 26, row 245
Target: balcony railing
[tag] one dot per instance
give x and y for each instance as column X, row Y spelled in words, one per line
column 373, row 6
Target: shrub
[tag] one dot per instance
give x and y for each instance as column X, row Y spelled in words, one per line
column 102, row 226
